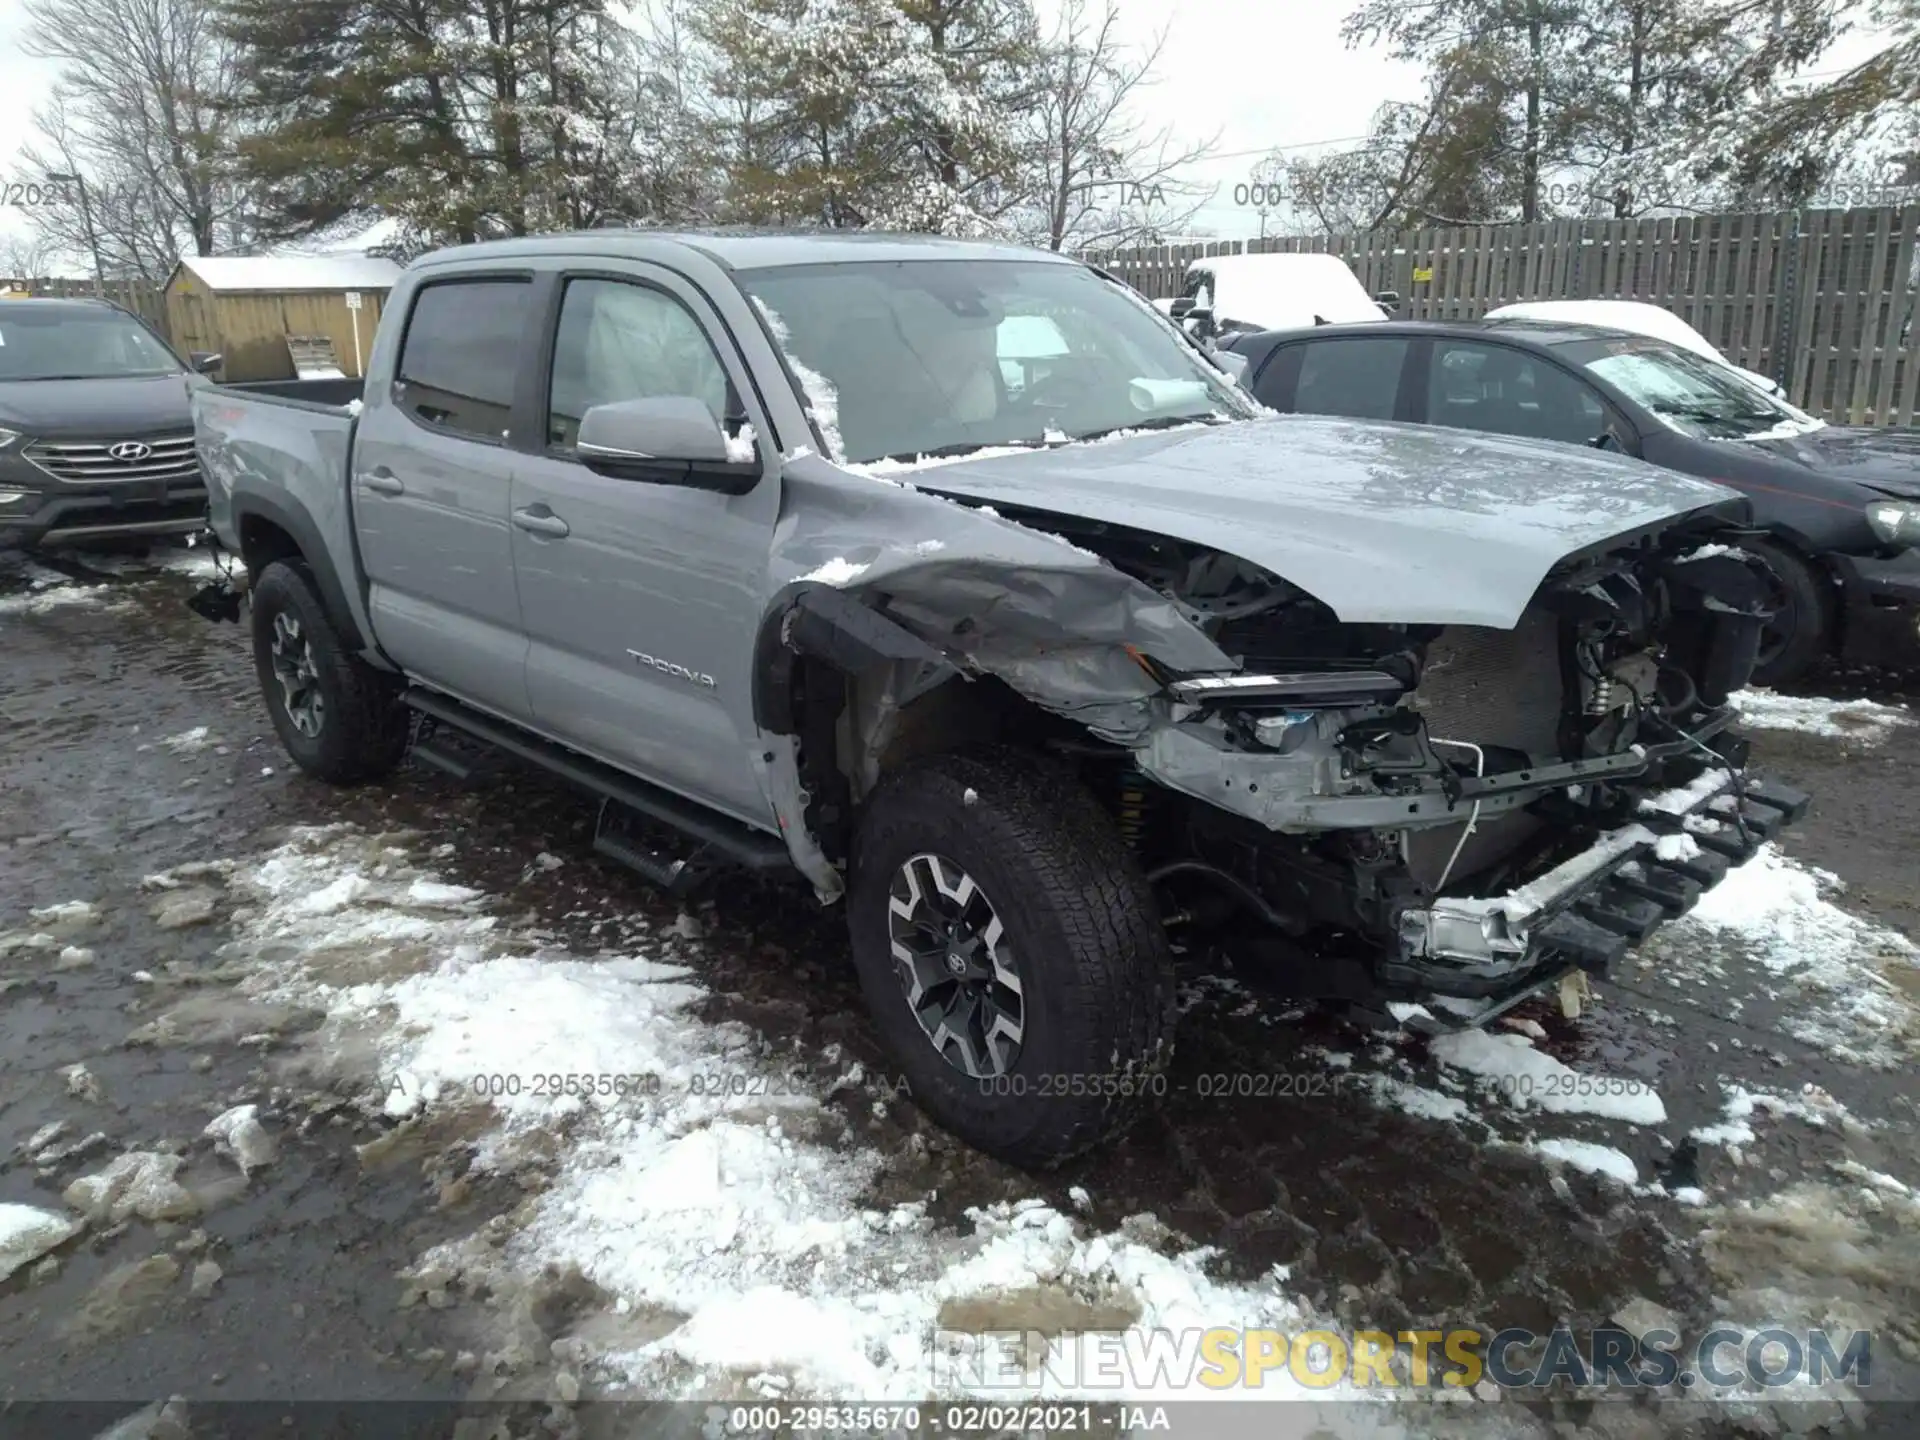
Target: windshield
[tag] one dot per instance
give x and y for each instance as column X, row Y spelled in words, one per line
column 903, row 359
column 1690, row 393
column 70, row 343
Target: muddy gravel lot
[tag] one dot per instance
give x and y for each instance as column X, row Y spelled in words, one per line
column 400, row 1094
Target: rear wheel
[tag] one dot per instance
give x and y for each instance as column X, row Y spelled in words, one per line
column 1011, row 954
column 1797, row 634
column 337, row 717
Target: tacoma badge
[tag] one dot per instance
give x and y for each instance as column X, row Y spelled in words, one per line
column 667, row 667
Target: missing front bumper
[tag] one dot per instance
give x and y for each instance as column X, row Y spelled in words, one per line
column 1485, row 955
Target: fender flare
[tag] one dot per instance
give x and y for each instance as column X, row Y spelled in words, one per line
column 313, row 551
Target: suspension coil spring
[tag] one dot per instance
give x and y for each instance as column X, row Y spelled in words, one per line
column 1133, row 799
column 1602, row 699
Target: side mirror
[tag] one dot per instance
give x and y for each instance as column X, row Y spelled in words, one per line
column 1605, row 441
column 665, row 440
column 206, row 361
column 1388, row 300
column 1180, row 308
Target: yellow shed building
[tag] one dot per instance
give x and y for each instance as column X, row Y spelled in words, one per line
column 247, row 307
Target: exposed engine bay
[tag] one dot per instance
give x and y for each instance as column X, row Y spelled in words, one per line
column 1402, row 784
column 1425, row 811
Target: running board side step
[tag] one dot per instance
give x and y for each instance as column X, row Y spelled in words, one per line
column 622, row 798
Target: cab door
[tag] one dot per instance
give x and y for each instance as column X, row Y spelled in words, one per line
column 641, row 601
column 432, row 473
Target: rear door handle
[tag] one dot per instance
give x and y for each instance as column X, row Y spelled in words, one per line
column 542, row 521
column 383, row 481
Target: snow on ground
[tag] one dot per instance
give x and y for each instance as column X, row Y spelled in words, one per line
column 699, row 1173
column 1864, row 720
column 1831, row 965
column 61, row 596
column 1507, row 1064
column 1594, row 1159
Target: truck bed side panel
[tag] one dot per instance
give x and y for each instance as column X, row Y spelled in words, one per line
column 285, row 463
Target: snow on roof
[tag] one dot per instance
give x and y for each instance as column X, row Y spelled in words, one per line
column 292, row 272
column 1279, row 291
column 1634, row 316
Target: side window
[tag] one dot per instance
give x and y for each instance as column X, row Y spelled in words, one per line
column 1355, row 377
column 461, row 354
column 621, row 341
column 1475, row 386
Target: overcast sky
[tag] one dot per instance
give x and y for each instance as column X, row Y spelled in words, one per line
column 1258, row 73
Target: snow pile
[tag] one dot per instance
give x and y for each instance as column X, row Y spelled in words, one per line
column 1831, row 964
column 1594, row 1159
column 1524, row 1077
column 1863, row 720
column 686, row 1170
column 45, row 599
column 28, row 1232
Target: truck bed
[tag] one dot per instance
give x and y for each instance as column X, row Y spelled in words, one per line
column 282, row 447
column 330, row 393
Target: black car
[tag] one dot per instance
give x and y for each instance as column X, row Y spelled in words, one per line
column 96, row 437
column 1842, row 502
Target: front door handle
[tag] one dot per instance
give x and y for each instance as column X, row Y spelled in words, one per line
column 383, row 481
column 542, row 521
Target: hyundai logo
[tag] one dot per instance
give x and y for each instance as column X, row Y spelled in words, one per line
column 130, row 451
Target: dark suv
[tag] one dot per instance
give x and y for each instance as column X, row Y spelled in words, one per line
column 96, row 437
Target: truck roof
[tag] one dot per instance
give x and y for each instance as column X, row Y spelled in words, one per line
column 746, row 249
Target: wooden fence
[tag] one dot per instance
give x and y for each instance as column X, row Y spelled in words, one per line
column 1821, row 300
column 144, row 298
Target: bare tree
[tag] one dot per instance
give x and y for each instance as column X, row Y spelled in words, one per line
column 26, row 255
column 140, row 113
column 1103, row 176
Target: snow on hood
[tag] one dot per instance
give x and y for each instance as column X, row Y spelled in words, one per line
column 1381, row 522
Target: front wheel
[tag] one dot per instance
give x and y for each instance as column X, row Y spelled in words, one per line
column 337, row 717
column 1011, row 953
column 1797, row 634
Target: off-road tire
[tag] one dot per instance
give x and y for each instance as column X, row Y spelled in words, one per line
column 363, row 730
column 1810, row 613
column 1096, row 971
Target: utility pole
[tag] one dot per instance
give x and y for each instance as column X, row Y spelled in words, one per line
column 86, row 219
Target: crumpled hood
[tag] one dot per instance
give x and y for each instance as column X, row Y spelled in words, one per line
column 1381, row 522
column 1887, row 458
column 132, row 405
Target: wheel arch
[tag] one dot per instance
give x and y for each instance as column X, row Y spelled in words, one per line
column 270, row 531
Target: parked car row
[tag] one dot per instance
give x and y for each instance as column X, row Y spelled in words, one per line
column 953, row 583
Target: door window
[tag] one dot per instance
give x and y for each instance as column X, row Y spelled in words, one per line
column 1356, row 377
column 619, row 341
column 461, row 353
column 1473, row 386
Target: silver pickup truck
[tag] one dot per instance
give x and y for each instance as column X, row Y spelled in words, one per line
column 956, row 582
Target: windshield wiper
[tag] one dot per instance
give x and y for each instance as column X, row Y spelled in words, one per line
column 965, row 447
column 1158, row 422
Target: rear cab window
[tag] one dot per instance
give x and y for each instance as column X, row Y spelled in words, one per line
column 460, row 356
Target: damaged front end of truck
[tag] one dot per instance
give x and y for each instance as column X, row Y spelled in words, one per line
column 1415, row 816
